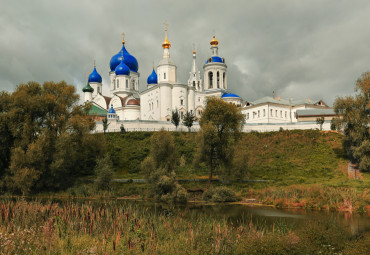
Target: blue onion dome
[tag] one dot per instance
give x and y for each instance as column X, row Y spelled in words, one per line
column 95, row 76
column 230, row 95
column 129, row 60
column 88, row 88
column 153, row 78
column 111, row 110
column 215, row 59
column 122, row 69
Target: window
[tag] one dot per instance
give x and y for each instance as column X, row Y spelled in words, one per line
column 286, row 114
column 193, row 83
column 223, row 80
column 126, row 83
column 264, row 112
column 248, row 116
column 164, row 76
column 281, row 114
column 276, row 113
column 258, row 113
column 181, row 115
column 271, row 112
column 149, row 106
column 117, row 84
column 218, row 79
column 198, row 99
column 210, row 77
column 157, row 104
column 181, row 101
column 133, row 84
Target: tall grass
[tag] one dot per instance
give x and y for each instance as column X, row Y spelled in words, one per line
column 108, row 228
column 314, row 197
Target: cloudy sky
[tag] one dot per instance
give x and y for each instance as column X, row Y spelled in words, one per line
column 299, row 49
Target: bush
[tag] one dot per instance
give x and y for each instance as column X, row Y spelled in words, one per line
column 220, row 194
column 104, row 173
column 164, row 188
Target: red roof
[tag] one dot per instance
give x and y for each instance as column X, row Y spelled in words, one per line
column 132, row 102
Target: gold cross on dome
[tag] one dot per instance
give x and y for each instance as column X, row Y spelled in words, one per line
column 165, row 24
column 123, row 37
column 94, row 63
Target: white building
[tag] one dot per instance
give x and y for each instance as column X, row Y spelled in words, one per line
column 164, row 93
column 277, row 110
column 152, row 108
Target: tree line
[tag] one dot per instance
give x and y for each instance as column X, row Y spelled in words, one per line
column 45, row 140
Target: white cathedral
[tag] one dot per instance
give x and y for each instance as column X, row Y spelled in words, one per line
column 152, row 108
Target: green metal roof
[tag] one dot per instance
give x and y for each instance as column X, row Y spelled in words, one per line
column 97, row 111
column 315, row 112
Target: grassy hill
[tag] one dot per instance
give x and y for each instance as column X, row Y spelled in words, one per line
column 287, row 157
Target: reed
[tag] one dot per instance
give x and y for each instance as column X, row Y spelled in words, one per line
column 106, row 227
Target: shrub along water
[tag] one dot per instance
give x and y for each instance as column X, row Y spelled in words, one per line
column 108, row 227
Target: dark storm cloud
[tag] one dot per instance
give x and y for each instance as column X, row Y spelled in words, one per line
column 298, row 49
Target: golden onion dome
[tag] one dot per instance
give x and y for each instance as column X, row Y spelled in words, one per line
column 214, row 41
column 166, row 43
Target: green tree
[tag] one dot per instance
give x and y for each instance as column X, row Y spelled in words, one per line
column 104, row 173
column 122, row 129
column 105, row 124
column 221, row 123
column 320, row 121
column 50, row 141
column 175, row 119
column 353, row 120
column 189, row 119
column 159, row 169
column 6, row 136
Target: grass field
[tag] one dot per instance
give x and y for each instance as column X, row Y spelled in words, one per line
column 109, row 228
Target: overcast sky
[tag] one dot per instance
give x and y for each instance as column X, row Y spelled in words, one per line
column 299, row 49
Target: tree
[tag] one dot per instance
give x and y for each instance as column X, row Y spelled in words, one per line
column 49, row 141
column 175, row 119
column 320, row 121
column 189, row 119
column 104, row 173
column 353, row 120
column 122, row 129
column 159, row 169
column 105, row 124
column 221, row 123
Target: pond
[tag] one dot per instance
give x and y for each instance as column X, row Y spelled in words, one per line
column 267, row 217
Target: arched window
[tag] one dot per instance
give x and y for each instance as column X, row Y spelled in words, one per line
column 127, row 84
column 210, row 78
column 193, row 83
column 164, row 76
column 218, row 79
column 117, row 84
column 223, row 80
column 133, row 84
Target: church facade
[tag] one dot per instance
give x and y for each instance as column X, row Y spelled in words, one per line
column 164, row 93
column 151, row 109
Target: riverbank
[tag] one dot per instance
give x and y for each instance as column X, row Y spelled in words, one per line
column 108, row 227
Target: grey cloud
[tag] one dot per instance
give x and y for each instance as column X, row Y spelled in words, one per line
column 298, row 49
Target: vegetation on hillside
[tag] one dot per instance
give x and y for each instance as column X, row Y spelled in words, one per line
column 220, row 124
column 354, row 121
column 45, row 138
column 159, row 167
